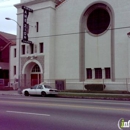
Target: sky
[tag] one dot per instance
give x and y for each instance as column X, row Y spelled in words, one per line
column 8, row 10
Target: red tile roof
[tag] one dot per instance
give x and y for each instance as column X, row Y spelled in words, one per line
column 58, row 2
column 8, row 38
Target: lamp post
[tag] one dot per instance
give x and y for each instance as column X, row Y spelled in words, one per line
column 19, row 65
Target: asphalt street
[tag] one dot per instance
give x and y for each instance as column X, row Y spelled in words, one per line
column 50, row 113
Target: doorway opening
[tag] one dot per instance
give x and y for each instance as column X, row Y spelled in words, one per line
column 35, row 75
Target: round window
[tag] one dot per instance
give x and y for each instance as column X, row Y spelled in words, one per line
column 98, row 21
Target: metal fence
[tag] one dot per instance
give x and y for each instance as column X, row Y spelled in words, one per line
column 65, row 84
column 4, row 82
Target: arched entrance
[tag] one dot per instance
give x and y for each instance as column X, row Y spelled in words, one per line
column 32, row 73
column 35, row 75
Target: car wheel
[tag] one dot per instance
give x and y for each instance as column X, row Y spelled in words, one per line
column 43, row 94
column 26, row 93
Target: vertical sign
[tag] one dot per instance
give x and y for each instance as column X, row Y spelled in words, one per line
column 26, row 11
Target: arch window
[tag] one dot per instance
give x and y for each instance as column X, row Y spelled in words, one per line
column 36, row 68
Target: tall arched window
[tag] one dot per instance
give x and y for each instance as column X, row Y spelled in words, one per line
column 97, row 23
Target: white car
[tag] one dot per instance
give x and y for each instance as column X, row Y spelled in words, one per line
column 42, row 90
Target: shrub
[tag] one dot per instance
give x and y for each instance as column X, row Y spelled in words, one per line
column 95, row 87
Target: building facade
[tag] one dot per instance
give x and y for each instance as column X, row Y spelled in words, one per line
column 76, row 42
column 6, row 40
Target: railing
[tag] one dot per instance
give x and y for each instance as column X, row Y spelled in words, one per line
column 63, row 84
column 4, row 82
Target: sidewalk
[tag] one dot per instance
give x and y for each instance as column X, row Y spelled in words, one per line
column 10, row 92
column 102, row 96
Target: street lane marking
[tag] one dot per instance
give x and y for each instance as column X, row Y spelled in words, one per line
column 112, row 103
column 37, row 114
column 16, row 98
column 66, row 105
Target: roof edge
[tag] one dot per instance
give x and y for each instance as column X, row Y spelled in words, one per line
column 32, row 2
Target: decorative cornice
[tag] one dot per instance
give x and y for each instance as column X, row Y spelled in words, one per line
column 32, row 3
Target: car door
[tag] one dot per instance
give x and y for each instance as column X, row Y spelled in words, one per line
column 33, row 90
column 39, row 89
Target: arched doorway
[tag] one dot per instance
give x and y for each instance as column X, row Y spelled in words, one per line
column 32, row 73
column 35, row 75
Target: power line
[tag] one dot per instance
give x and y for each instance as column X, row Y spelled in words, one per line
column 66, row 34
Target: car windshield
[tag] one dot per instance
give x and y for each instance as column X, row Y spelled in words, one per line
column 46, row 86
column 34, row 87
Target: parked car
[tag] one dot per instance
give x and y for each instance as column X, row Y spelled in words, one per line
column 39, row 89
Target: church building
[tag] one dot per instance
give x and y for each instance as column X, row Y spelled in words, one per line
column 70, row 43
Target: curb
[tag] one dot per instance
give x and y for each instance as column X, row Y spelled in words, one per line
column 121, row 97
column 100, row 98
column 15, row 93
